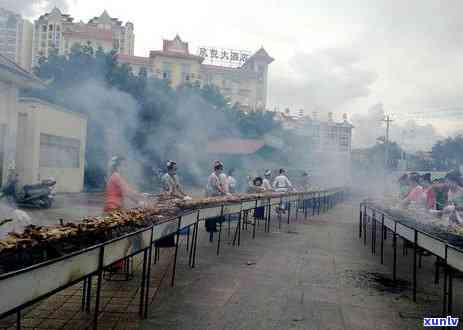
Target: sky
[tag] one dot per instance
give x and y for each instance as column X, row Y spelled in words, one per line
column 345, row 56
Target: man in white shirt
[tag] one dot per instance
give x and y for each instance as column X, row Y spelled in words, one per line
column 266, row 182
column 217, row 182
column 231, row 181
column 217, row 185
column 170, row 182
column 282, row 183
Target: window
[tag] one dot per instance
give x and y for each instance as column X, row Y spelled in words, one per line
column 50, row 27
column 186, row 72
column 166, row 70
column 44, row 28
column 344, row 143
column 59, row 152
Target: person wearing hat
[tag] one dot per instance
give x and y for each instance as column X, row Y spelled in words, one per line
column 266, row 181
column 217, row 181
column 170, row 182
column 117, row 189
column 216, row 186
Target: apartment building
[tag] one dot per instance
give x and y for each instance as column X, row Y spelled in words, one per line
column 16, row 38
column 245, row 84
column 57, row 32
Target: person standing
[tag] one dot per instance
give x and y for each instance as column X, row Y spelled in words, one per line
column 217, row 181
column 118, row 191
column 403, row 186
column 266, row 182
column 257, row 186
column 171, row 184
column 417, row 195
column 172, row 189
column 282, row 183
column 306, row 181
column 216, row 186
column 231, row 181
column 455, row 207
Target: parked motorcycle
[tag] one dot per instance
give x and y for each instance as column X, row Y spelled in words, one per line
column 40, row 195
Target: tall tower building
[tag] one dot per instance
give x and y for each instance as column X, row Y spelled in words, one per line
column 16, row 38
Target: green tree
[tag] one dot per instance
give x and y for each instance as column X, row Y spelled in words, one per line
column 165, row 123
column 448, row 154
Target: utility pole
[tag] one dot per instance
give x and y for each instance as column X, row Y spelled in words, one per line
column 388, row 121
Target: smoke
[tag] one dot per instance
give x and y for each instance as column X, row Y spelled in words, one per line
column 410, row 135
column 322, row 80
column 112, row 118
column 31, row 8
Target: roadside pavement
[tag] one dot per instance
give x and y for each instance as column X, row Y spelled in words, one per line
column 312, row 275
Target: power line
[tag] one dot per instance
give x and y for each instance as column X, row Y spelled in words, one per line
column 388, row 121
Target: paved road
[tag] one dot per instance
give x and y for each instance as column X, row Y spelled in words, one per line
column 69, row 207
column 315, row 275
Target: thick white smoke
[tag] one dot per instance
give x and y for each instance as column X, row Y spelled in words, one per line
column 410, row 135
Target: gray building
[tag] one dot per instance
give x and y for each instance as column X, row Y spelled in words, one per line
column 16, row 38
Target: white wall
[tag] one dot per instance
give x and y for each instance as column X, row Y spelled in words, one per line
column 45, row 118
column 26, row 48
column 8, row 118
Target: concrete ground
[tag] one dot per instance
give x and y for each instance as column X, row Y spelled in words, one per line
column 313, row 275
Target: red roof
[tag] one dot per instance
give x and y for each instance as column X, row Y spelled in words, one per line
column 234, row 146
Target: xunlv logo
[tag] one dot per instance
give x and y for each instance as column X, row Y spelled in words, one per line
column 440, row 321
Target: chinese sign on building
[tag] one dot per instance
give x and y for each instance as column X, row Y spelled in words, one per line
column 223, row 57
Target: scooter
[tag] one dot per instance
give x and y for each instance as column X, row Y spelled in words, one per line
column 40, row 195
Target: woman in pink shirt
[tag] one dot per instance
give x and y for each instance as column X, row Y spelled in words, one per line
column 417, row 193
column 117, row 189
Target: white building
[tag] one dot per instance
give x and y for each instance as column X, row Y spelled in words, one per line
column 41, row 139
column 329, row 144
column 57, row 32
column 12, row 78
column 16, row 38
column 245, row 85
column 51, row 143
